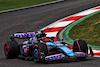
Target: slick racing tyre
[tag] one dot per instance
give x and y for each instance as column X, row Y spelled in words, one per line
column 80, row 46
column 11, row 49
column 39, row 52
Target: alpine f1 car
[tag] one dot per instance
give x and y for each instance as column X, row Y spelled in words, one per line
column 41, row 48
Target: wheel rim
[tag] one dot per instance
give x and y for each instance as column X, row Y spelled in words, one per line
column 36, row 53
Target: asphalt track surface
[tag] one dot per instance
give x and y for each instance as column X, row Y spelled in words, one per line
column 36, row 18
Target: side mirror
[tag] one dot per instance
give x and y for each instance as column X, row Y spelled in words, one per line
column 63, row 39
column 12, row 38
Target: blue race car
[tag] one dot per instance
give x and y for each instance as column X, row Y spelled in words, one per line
column 41, row 48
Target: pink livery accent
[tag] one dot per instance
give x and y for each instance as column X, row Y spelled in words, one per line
column 25, row 42
column 78, row 45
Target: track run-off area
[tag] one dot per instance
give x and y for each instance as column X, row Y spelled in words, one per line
column 37, row 18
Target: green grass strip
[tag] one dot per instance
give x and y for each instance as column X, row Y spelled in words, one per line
column 12, row 4
column 66, row 32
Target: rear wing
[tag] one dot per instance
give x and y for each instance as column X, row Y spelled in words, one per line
column 23, row 35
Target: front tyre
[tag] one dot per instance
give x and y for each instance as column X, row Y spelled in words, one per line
column 80, row 46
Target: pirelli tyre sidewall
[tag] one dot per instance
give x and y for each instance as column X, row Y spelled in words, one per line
column 11, row 49
column 80, row 46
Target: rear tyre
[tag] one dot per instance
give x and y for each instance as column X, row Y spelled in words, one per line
column 11, row 49
column 80, row 46
column 39, row 52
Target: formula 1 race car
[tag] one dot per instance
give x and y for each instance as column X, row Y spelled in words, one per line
column 41, row 48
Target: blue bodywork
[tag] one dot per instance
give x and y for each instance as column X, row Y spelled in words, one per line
column 50, row 44
column 66, row 50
